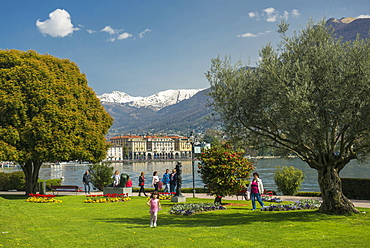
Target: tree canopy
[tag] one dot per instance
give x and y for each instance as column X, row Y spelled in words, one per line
column 48, row 113
column 309, row 97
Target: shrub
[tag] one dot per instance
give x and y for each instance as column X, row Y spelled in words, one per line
column 12, row 181
column 355, row 188
column 312, row 194
column 101, row 175
column 288, row 179
column 224, row 171
column 4, row 177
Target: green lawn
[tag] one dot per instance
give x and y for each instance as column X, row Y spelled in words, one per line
column 73, row 223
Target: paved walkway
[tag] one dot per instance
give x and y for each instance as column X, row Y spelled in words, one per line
column 357, row 203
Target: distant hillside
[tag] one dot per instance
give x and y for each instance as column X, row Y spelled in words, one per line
column 190, row 114
column 349, row 27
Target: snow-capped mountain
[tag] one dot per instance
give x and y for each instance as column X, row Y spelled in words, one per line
column 157, row 101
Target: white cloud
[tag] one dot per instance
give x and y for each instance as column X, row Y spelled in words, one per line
column 110, row 30
column 141, row 35
column 91, row 31
column 254, row 15
column 285, row 15
column 251, row 35
column 58, row 25
column 295, row 13
column 363, row 16
column 266, row 32
column 247, row 35
column 124, row 36
column 272, row 14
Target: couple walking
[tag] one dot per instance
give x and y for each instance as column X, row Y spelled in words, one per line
column 169, row 181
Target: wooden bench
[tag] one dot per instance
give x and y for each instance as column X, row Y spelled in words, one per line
column 242, row 193
column 65, row 188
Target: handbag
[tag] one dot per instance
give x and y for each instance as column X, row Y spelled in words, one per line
column 160, row 184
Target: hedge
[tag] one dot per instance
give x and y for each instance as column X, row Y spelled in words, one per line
column 12, row 181
column 311, row 194
column 15, row 181
column 356, row 188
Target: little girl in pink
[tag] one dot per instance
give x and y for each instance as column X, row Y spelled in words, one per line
column 155, row 206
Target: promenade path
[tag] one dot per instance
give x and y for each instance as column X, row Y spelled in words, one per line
column 357, row 203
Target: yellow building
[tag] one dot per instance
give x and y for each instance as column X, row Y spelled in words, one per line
column 152, row 147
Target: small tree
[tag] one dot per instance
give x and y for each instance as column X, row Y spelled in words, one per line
column 288, row 179
column 101, row 175
column 223, row 171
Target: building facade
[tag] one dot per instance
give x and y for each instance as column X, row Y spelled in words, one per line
column 134, row 147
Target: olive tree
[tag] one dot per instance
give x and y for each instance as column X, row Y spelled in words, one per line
column 309, row 97
column 48, row 113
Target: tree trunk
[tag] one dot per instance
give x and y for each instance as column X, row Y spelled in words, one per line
column 334, row 201
column 31, row 171
column 218, row 200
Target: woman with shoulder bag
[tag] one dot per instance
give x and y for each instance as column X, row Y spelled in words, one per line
column 142, row 183
column 256, row 189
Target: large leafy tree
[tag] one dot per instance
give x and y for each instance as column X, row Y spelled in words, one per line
column 224, row 171
column 47, row 113
column 309, row 97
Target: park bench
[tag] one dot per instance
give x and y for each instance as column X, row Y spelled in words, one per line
column 65, row 188
column 242, row 193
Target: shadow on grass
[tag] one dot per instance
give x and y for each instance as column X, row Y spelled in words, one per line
column 23, row 197
column 221, row 218
column 14, row 197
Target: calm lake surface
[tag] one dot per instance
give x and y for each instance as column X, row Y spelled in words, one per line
column 72, row 173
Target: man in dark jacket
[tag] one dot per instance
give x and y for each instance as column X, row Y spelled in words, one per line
column 173, row 181
column 86, row 179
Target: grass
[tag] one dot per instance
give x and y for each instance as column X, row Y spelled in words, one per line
column 73, row 223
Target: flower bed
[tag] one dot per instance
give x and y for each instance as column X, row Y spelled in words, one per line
column 299, row 205
column 165, row 196
column 38, row 198
column 268, row 198
column 191, row 208
column 107, row 198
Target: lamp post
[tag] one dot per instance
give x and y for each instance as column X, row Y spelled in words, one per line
column 192, row 140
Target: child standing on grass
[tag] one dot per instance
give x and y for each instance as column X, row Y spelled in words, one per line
column 155, row 206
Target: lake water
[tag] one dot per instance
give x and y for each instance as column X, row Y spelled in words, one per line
column 72, row 173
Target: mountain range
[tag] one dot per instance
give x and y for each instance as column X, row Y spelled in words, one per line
column 181, row 111
column 156, row 102
column 350, row 27
column 169, row 114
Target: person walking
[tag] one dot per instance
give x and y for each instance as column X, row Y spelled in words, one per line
column 155, row 206
column 86, row 179
column 142, row 183
column 173, row 181
column 155, row 180
column 256, row 189
column 166, row 181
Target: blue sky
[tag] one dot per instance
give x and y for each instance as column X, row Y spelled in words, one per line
column 143, row 47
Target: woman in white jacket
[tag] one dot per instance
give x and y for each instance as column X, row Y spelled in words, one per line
column 155, row 180
column 255, row 189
